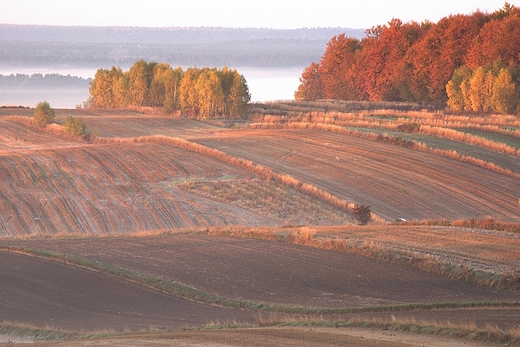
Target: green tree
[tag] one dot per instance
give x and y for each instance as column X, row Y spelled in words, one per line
column 74, row 126
column 43, row 114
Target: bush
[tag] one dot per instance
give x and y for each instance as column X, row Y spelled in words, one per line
column 43, row 114
column 362, row 214
column 74, row 127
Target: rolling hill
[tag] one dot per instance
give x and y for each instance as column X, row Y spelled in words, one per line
column 167, row 223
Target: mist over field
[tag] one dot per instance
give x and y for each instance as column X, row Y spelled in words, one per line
column 265, row 84
column 271, row 60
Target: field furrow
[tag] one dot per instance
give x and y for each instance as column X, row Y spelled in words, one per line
column 397, row 182
column 112, row 188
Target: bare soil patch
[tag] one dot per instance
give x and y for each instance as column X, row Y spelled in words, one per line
column 18, row 138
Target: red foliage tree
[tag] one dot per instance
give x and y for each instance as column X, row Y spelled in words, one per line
column 412, row 61
column 432, row 60
column 338, row 67
column 382, row 57
column 311, row 86
column 497, row 39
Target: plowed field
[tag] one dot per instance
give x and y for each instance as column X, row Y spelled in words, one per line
column 271, row 272
column 120, row 185
column 112, row 188
column 47, row 293
column 395, row 181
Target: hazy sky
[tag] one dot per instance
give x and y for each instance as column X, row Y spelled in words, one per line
column 236, row 13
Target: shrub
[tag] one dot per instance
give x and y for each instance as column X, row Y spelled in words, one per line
column 43, row 114
column 74, row 126
column 409, row 128
column 362, row 214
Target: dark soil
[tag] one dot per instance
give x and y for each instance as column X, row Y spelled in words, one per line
column 49, row 294
column 271, row 272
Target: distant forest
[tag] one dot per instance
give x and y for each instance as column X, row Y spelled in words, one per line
column 38, row 80
column 56, row 46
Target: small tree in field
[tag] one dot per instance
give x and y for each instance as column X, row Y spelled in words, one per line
column 43, row 114
column 362, row 214
column 73, row 126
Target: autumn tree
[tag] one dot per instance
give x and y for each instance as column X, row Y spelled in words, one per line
column 489, row 88
column 383, row 55
column 210, row 97
column 457, row 88
column 164, row 88
column 504, row 96
column 197, row 92
column 43, row 114
column 337, row 69
column 140, row 78
column 311, row 85
column 498, row 38
column 188, row 96
column 238, row 96
column 109, row 89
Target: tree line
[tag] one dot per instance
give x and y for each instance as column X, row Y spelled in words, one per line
column 38, row 80
column 414, row 62
column 201, row 92
column 80, row 46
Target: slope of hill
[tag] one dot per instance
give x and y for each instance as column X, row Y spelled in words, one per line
column 200, row 194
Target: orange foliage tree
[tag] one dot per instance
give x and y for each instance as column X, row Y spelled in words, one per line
column 416, row 61
column 198, row 92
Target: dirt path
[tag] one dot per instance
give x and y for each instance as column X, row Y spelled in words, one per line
column 274, row 337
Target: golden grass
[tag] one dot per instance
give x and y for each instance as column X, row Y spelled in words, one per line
column 437, row 123
column 487, row 223
column 272, row 199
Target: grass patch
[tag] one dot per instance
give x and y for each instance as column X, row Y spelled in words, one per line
column 274, row 200
column 24, row 330
column 509, row 140
column 46, row 333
